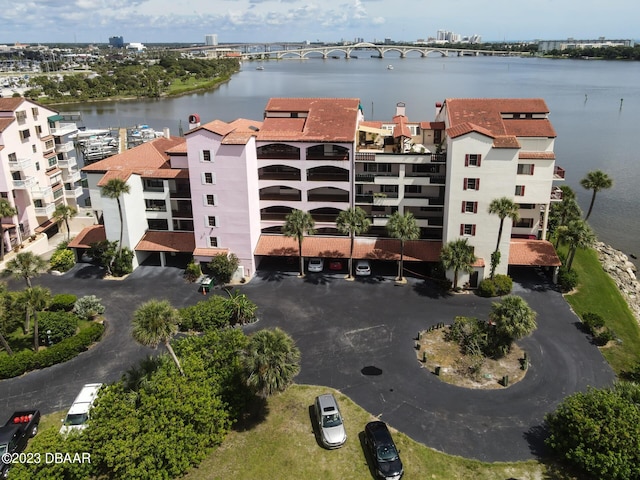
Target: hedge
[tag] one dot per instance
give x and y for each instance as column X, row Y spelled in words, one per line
column 63, row 302
column 21, row 362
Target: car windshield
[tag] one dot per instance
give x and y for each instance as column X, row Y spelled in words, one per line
column 387, row 453
column 332, row 420
column 75, row 419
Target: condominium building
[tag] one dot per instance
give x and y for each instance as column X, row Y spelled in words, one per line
column 321, row 156
column 38, row 167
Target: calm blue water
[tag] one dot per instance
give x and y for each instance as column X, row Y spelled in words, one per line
column 595, row 129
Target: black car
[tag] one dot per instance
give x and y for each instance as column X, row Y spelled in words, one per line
column 384, row 453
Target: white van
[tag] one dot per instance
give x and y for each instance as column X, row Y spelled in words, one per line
column 78, row 414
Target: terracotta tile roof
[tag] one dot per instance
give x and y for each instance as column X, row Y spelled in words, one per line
column 10, row 104
column 432, row 125
column 401, row 129
column 111, row 174
column 237, row 132
column 506, row 141
column 537, row 155
column 5, row 122
column 533, row 253
column 156, row 241
column 540, row 127
column 322, row 120
column 180, row 148
column 87, row 236
column 209, row 252
column 338, row 247
column 466, row 127
column 371, row 124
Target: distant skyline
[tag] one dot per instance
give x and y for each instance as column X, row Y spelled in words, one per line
column 236, row 21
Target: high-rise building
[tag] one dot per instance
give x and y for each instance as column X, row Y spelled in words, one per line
column 116, row 42
column 211, row 40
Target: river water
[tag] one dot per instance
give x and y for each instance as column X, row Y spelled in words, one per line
column 594, row 105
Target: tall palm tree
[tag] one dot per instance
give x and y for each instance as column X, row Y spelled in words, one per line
column 155, row 322
column 26, row 265
column 6, row 210
column 36, row 299
column 504, row 207
column 296, row 224
column 458, row 256
column 596, row 180
column 64, row 213
column 578, row 234
column 271, row 361
column 563, row 212
column 114, row 189
column 352, row 222
column 403, row 227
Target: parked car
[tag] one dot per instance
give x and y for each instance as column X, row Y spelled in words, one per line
column 335, row 265
column 330, row 423
column 385, row 455
column 315, row 265
column 78, row 414
column 14, row 436
column 363, row 268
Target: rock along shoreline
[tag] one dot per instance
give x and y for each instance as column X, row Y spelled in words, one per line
column 623, row 273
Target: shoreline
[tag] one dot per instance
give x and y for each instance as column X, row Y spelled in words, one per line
column 623, row 272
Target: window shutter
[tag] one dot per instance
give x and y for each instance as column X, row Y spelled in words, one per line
column 464, row 186
column 532, row 168
column 477, row 184
column 466, row 160
column 475, row 207
column 204, row 200
column 479, row 159
column 464, row 206
column 202, row 179
column 206, row 220
column 522, row 193
column 201, row 155
column 462, row 229
column 473, row 229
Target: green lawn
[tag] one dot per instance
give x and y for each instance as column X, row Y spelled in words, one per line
column 598, row 293
column 284, row 446
column 178, row 87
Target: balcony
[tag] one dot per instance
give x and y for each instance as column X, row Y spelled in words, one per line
column 182, row 213
column 64, row 147
column 45, row 211
column 64, row 129
column 72, row 177
column 39, row 193
column 556, row 194
column 20, row 164
column 24, row 183
column 68, row 163
column 558, row 173
column 73, row 192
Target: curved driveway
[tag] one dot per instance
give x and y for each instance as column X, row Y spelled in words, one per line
column 342, row 327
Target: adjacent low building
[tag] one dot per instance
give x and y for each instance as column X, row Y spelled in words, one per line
column 228, row 186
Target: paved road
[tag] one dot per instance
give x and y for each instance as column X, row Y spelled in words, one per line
column 343, row 327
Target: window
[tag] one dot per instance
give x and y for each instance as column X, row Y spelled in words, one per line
column 412, row 189
column 49, row 145
column 38, row 166
column 527, row 206
column 13, row 157
column 525, row 169
column 469, row 207
column 211, row 221
column 38, row 130
column 471, row 184
column 467, row 229
column 158, row 224
column 205, row 155
column 34, row 148
column 153, row 185
column 208, row 178
column 38, row 203
column 34, row 112
column 377, row 167
column 424, row 168
column 24, row 134
column 389, row 188
column 155, row 205
column 213, row 242
column 21, row 116
column 472, row 160
column 210, row 200
column 524, row 223
column 53, row 161
column 519, row 190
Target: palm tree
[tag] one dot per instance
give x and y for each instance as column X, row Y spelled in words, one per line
column 6, row 210
column 511, row 319
column 578, row 234
column 458, row 255
column 503, row 207
column 563, row 212
column 36, row 299
column 403, row 227
column 352, row 222
column 26, row 265
column 596, row 180
column 155, row 322
column 64, row 213
column 115, row 188
column 241, row 308
column 296, row 224
column 270, row 361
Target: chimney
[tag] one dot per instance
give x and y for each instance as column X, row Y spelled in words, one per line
column 194, row 121
column 167, row 132
column 400, row 109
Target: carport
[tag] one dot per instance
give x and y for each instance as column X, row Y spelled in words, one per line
column 534, row 253
column 179, row 246
column 82, row 242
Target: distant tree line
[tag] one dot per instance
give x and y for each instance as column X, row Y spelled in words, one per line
column 607, row 53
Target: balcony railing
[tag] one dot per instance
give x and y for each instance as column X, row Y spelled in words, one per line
column 556, row 194
column 334, row 156
column 45, row 211
column 41, row 192
column 20, row 164
column 318, row 197
column 73, row 193
column 184, row 213
column 328, row 177
column 64, row 147
column 282, row 197
column 279, row 176
column 365, row 157
column 558, row 173
column 364, row 198
column 24, row 183
column 68, row 163
column 73, row 177
column 64, row 129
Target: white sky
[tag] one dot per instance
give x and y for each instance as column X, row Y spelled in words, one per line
column 188, row 21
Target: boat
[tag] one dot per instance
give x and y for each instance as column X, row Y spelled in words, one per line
column 260, row 68
column 389, row 67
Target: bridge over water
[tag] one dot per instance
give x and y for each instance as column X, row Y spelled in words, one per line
column 380, row 51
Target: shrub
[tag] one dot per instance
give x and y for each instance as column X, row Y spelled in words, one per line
column 592, row 322
column 223, row 267
column 192, row 272
column 470, row 333
column 62, row 260
column 487, row 288
column 15, row 365
column 88, row 307
column 56, row 326
column 494, row 287
column 122, row 265
column 63, row 302
column 604, row 336
column 209, row 314
column 567, row 279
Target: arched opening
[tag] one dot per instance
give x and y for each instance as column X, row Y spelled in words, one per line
column 276, row 213
column 278, row 150
column 326, row 214
column 327, row 194
column 279, row 172
column 280, row 192
column 327, row 151
column 328, row 174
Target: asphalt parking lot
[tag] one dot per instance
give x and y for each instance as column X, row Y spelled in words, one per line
column 357, row 337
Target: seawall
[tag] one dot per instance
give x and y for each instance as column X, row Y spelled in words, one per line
column 623, row 272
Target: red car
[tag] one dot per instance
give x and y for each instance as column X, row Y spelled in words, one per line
column 335, row 265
